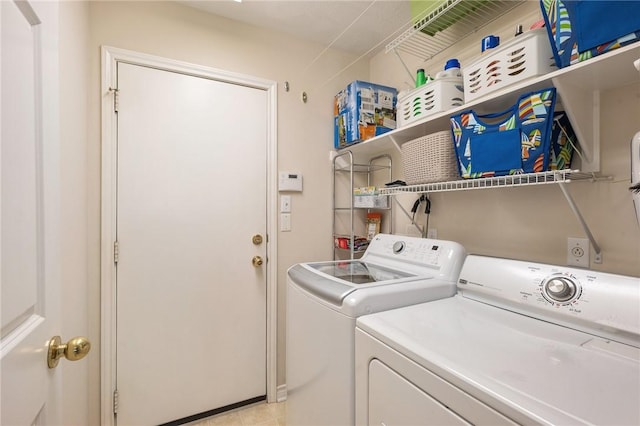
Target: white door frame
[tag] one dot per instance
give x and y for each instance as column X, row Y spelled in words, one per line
column 110, row 57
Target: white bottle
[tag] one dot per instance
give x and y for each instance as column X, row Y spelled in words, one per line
column 451, row 69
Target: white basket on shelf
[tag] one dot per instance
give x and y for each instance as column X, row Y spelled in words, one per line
column 438, row 95
column 528, row 55
column 430, row 158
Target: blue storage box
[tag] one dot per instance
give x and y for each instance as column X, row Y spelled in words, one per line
column 513, row 141
column 363, row 110
column 581, row 29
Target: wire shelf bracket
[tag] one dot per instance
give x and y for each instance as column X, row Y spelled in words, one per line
column 558, row 177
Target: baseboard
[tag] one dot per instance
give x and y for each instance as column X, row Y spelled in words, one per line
column 281, row 393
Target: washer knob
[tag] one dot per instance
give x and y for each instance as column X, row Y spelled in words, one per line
column 398, row 246
column 560, row 289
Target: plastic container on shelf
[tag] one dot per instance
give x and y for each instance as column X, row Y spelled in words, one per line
column 528, row 55
column 441, row 94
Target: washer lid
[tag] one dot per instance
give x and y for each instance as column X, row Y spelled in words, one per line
column 333, row 281
column 357, row 272
column 530, row 370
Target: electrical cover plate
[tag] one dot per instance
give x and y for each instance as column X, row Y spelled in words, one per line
column 578, row 252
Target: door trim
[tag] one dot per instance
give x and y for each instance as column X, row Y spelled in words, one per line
column 110, row 57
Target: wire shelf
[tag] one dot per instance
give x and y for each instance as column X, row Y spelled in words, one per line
column 557, row 176
column 451, row 22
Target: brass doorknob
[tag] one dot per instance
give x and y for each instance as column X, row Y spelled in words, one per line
column 257, row 239
column 257, row 261
column 75, row 349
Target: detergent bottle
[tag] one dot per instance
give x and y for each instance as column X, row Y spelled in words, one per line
column 451, row 69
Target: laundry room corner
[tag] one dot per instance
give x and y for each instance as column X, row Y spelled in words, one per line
column 532, row 223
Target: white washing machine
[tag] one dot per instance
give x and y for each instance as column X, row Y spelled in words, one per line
column 323, row 301
column 520, row 343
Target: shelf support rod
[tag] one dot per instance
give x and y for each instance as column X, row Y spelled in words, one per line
column 413, row 222
column 585, row 227
column 412, row 76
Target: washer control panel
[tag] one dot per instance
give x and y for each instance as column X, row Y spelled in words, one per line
column 418, row 255
column 561, row 288
column 567, row 295
column 409, row 249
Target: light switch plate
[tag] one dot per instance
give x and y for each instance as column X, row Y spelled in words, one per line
column 285, row 204
column 285, row 222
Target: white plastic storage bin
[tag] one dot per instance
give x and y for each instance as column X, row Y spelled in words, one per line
column 371, row 201
column 527, row 55
column 430, row 159
column 438, row 95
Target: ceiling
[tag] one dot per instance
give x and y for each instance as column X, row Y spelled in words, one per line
column 362, row 27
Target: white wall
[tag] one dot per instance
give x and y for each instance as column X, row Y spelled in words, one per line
column 534, row 222
column 305, row 131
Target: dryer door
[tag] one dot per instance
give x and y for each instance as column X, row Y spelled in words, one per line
column 393, row 400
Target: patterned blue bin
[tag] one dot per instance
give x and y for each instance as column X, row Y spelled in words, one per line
column 581, row 29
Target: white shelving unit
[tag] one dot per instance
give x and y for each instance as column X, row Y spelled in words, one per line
column 558, row 177
column 344, row 208
column 526, row 179
column 457, row 20
column 578, row 88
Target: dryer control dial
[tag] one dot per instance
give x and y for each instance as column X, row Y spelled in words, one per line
column 560, row 289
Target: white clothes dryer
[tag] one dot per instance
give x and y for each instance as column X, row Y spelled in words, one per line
column 520, row 343
column 323, row 301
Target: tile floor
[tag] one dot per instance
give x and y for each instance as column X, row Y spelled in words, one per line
column 261, row 414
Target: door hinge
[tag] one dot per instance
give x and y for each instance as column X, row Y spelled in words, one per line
column 116, row 252
column 115, row 401
column 115, row 99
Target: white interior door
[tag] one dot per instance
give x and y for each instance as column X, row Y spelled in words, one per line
column 30, row 212
column 191, row 193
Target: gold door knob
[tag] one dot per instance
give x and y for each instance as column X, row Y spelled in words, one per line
column 257, row 239
column 257, row 261
column 75, row 349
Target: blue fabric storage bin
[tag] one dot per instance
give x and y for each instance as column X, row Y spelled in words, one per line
column 581, row 29
column 513, row 141
column 563, row 142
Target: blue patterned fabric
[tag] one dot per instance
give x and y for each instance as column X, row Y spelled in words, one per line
column 513, row 141
column 581, row 29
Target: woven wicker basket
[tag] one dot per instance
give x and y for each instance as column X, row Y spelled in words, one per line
column 429, row 159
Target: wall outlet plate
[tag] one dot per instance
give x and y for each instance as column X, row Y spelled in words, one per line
column 578, row 252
